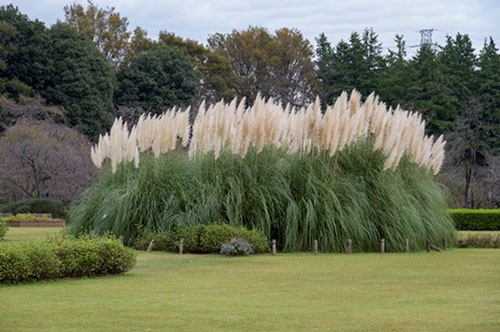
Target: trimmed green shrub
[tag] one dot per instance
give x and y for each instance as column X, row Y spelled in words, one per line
column 203, row 239
column 64, row 257
column 37, row 205
column 476, row 219
column 3, row 228
column 479, row 241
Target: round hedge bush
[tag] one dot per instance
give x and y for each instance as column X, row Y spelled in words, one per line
column 62, row 258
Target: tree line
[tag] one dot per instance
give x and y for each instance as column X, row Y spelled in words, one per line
column 83, row 72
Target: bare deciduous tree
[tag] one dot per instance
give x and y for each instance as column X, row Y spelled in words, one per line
column 44, row 160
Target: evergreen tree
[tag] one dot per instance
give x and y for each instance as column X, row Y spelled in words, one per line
column 488, row 91
column 79, row 78
column 157, row 79
column 394, row 86
column 430, row 92
column 357, row 64
column 458, row 63
column 324, row 69
column 23, row 56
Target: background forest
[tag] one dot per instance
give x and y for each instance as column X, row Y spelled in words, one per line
column 62, row 86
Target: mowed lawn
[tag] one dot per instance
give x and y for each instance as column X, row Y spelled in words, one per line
column 457, row 290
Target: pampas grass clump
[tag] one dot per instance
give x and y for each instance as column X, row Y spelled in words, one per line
column 355, row 171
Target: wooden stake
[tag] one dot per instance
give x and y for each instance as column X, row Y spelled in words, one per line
column 349, row 247
column 445, row 244
column 315, row 247
column 181, row 246
column 274, row 247
column 407, row 245
column 151, row 245
column 382, row 246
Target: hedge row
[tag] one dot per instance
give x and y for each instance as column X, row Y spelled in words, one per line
column 25, row 217
column 203, row 239
column 476, row 219
column 36, row 205
column 61, row 258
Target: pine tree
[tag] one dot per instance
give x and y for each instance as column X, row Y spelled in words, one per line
column 394, row 86
column 458, row 62
column 488, row 90
column 430, row 92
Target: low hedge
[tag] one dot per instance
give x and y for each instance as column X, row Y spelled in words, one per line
column 37, row 205
column 3, row 228
column 476, row 219
column 25, row 217
column 64, row 257
column 203, row 239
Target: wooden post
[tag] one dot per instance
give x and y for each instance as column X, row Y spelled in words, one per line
column 382, row 245
column 445, row 244
column 349, row 247
column 428, row 245
column 315, row 247
column 181, row 246
column 407, row 245
column 121, row 238
column 151, row 245
column 274, row 247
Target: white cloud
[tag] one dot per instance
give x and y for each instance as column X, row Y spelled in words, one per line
column 196, row 19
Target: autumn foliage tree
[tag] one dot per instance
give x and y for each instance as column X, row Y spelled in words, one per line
column 278, row 65
column 105, row 27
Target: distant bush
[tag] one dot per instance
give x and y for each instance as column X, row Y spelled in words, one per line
column 476, row 219
column 61, row 258
column 235, row 247
column 3, row 228
column 479, row 241
column 37, row 205
column 203, row 239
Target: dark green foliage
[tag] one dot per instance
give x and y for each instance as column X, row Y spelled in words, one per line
column 15, row 88
column 161, row 78
column 23, row 48
column 355, row 64
column 479, row 241
column 61, row 258
column 489, row 92
column 291, row 199
column 202, row 239
column 36, row 205
column 3, row 228
column 62, row 65
column 458, row 62
column 80, row 79
column 476, row 219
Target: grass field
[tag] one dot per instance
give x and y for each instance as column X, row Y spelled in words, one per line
column 16, row 234
column 458, row 290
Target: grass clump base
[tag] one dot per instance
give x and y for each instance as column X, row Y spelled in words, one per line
column 291, row 198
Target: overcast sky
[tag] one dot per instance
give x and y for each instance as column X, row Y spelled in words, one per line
column 197, row 19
